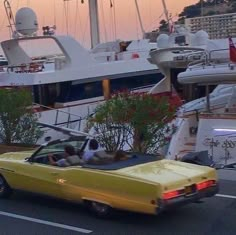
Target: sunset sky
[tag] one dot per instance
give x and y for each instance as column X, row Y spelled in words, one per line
column 75, row 15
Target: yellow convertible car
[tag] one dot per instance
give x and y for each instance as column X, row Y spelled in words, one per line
column 138, row 183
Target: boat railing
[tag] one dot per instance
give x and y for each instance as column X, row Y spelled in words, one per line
column 210, row 59
column 214, row 51
column 201, row 110
column 203, row 57
column 71, row 118
column 105, row 56
column 32, row 67
column 140, row 88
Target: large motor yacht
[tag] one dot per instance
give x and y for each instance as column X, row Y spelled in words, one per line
column 203, row 74
column 208, row 124
column 67, row 87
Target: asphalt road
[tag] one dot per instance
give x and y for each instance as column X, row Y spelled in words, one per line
column 26, row 214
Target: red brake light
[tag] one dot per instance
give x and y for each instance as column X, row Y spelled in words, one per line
column 205, row 184
column 171, row 194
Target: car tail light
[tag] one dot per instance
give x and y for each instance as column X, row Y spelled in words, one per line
column 205, row 184
column 172, row 194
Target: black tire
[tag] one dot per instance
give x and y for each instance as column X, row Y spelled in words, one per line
column 100, row 209
column 5, row 190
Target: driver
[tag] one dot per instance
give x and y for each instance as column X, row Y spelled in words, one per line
column 69, row 159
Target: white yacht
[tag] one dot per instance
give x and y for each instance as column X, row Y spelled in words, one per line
column 204, row 76
column 208, row 122
column 67, row 89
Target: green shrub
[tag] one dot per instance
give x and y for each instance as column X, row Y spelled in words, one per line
column 138, row 120
column 18, row 122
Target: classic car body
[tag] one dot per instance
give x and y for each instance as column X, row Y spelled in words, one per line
column 141, row 183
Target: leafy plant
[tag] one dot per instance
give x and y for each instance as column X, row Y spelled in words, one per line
column 17, row 120
column 135, row 120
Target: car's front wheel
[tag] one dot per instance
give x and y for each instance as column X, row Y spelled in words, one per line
column 5, row 190
column 100, row 209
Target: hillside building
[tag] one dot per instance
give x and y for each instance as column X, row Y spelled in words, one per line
column 217, row 26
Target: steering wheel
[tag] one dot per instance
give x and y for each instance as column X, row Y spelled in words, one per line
column 55, row 156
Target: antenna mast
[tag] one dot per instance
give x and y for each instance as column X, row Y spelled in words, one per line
column 166, row 11
column 168, row 18
column 10, row 17
column 139, row 17
column 94, row 23
column 202, row 26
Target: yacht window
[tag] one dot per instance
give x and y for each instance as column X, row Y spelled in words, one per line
column 81, row 91
column 45, row 94
column 135, row 82
column 180, row 40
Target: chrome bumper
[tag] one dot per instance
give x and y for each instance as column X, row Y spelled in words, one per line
column 182, row 200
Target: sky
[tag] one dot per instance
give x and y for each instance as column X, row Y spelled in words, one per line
column 118, row 22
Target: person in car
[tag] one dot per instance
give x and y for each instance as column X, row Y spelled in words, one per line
column 120, row 155
column 89, row 154
column 70, row 158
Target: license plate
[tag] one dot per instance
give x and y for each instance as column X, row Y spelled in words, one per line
column 190, row 189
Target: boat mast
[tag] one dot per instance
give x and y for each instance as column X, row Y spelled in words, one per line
column 94, row 23
column 139, row 17
column 202, row 26
column 166, row 11
column 10, row 17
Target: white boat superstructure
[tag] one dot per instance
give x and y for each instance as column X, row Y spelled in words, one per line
column 174, row 53
column 123, row 50
column 179, row 50
column 77, row 61
column 209, row 74
column 198, row 124
column 67, row 90
column 207, row 122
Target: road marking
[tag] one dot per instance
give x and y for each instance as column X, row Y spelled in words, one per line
column 81, row 230
column 225, row 196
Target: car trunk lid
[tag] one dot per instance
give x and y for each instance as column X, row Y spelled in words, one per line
column 169, row 174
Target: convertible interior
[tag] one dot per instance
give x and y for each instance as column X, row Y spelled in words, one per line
column 131, row 160
column 103, row 160
column 43, row 159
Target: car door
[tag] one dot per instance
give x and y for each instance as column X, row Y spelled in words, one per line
column 37, row 175
column 39, row 178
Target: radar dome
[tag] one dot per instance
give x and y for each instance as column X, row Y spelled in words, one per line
column 26, row 21
column 200, row 38
column 162, row 41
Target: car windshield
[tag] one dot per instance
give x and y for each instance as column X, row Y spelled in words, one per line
column 59, row 147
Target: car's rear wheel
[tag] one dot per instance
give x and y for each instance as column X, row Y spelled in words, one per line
column 100, row 209
column 5, row 190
